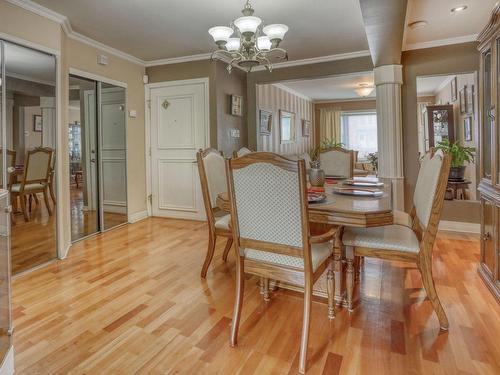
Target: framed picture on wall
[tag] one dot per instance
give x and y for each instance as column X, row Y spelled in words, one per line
column 463, row 100
column 470, row 100
column 453, row 86
column 37, row 123
column 265, row 122
column 287, row 127
column 468, row 129
column 306, row 128
column 236, row 105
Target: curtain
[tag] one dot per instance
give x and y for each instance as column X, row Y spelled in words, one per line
column 330, row 124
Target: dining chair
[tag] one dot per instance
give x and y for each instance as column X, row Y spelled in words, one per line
column 11, row 164
column 51, row 178
column 407, row 243
column 270, row 226
column 241, row 152
column 337, row 161
column 213, row 182
column 35, row 178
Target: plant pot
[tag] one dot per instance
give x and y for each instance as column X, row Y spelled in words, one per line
column 316, row 174
column 457, row 173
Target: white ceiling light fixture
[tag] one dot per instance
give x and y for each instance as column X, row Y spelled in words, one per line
column 250, row 48
column 364, row 89
column 460, row 8
column 418, row 24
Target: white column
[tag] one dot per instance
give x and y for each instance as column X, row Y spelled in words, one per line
column 388, row 80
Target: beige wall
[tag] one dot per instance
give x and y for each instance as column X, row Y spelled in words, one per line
column 32, row 138
column 274, row 99
column 459, row 58
column 24, row 27
column 351, row 105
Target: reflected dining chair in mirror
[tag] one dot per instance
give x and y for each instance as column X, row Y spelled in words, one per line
column 337, row 162
column 241, row 152
column 213, row 182
column 35, row 179
column 51, row 178
column 11, row 164
column 407, row 243
column 270, row 222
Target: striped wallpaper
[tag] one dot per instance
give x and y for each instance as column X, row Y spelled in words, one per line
column 273, row 98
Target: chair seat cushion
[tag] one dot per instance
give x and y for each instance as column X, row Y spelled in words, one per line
column 319, row 253
column 223, row 222
column 402, row 218
column 17, row 187
column 389, row 237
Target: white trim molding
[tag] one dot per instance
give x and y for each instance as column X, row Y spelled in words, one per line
column 441, row 42
column 95, row 77
column 458, row 226
column 7, row 366
column 283, row 87
column 177, row 60
column 137, row 216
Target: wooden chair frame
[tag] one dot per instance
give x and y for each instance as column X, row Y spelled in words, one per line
column 44, row 181
column 423, row 259
column 213, row 232
column 340, row 149
column 304, row 277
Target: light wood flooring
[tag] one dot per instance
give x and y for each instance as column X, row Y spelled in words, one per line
column 131, row 301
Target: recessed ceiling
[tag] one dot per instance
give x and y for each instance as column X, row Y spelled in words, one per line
column 332, row 88
column 443, row 23
column 157, row 29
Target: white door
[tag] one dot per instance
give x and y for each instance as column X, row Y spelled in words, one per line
column 179, row 127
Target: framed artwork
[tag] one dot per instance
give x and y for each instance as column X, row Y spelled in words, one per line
column 236, row 105
column 306, row 128
column 468, row 129
column 287, row 127
column 265, row 121
column 463, row 100
column 454, row 89
column 37, row 123
column 470, row 100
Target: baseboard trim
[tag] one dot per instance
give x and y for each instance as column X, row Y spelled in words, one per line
column 137, row 216
column 7, row 367
column 459, row 226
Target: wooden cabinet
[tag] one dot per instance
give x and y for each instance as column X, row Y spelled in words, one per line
column 489, row 152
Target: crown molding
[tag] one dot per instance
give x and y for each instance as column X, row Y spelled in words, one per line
column 360, row 99
column 444, row 83
column 441, row 42
column 177, row 60
column 283, row 87
column 316, row 60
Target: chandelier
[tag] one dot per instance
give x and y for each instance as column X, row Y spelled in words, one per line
column 253, row 45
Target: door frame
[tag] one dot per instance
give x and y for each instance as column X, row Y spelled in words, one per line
column 147, row 127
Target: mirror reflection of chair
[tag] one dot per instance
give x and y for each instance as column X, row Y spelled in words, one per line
column 270, row 223
column 213, row 182
column 407, row 243
column 51, row 179
column 337, row 161
column 35, row 179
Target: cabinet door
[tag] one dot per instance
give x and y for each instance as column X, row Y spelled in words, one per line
column 488, row 253
column 487, row 111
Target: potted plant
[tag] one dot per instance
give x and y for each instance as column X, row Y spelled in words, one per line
column 316, row 174
column 460, row 156
column 373, row 159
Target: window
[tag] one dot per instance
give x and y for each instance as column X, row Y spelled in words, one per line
column 359, row 132
column 287, row 127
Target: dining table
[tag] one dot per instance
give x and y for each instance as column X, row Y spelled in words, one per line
column 342, row 211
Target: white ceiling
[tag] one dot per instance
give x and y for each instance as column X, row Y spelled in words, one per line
column 28, row 64
column 443, row 24
column 332, row 88
column 431, row 85
column 157, row 29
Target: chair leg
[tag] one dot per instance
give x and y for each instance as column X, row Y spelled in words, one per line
column 266, row 289
column 52, row 194
column 330, row 287
column 22, row 199
column 46, row 199
column 210, row 254
column 357, row 268
column 238, row 301
column 229, row 243
column 35, row 196
column 425, row 267
column 350, row 276
column 306, row 320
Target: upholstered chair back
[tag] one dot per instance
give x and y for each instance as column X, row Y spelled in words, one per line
column 243, row 151
column 427, row 186
column 307, row 159
column 212, row 176
column 268, row 198
column 38, row 164
column 11, row 162
column 337, row 162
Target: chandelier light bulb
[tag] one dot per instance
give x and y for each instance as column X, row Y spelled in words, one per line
column 263, row 43
column 275, row 31
column 364, row 90
column 247, row 24
column 221, row 33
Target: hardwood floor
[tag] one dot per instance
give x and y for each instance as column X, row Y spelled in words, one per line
column 131, row 301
